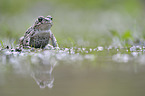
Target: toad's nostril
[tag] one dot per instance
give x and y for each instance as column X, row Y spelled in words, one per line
column 40, row 19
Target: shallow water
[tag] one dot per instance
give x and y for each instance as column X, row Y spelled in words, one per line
column 73, row 72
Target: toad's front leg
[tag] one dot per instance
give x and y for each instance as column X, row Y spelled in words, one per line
column 53, row 40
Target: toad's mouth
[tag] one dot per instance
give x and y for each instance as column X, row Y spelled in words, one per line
column 43, row 26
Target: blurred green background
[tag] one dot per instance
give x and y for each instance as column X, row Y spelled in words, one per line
column 95, row 68
column 86, row 23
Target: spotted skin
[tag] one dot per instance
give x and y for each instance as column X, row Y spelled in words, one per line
column 39, row 34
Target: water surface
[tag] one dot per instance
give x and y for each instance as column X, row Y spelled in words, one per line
column 73, row 72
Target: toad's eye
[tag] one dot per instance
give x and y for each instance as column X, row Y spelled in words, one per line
column 49, row 17
column 40, row 19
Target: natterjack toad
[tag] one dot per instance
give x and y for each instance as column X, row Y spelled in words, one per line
column 39, row 35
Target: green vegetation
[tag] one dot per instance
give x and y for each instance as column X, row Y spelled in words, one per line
column 83, row 23
column 2, row 45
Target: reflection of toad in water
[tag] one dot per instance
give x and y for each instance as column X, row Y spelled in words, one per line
column 42, row 72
